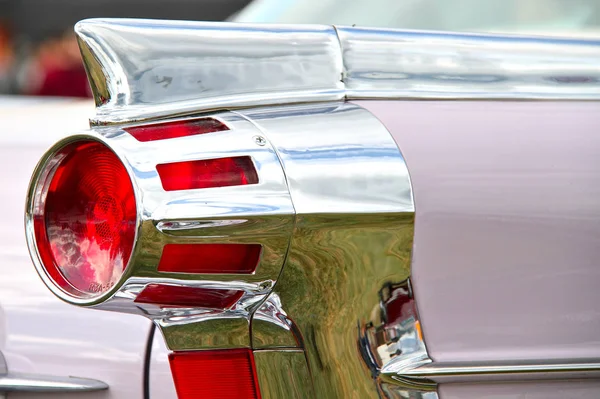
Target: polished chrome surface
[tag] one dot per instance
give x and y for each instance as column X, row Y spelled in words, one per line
column 16, row 382
column 343, row 295
column 153, row 68
column 259, row 213
column 34, row 383
column 338, row 158
column 146, row 69
column 271, row 326
column 380, row 63
column 283, row 374
column 501, row 371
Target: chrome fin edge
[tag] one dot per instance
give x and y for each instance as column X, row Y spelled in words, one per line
column 148, row 69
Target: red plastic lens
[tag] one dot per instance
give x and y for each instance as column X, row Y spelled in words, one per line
column 173, row 295
column 210, row 258
column 207, row 173
column 223, row 374
column 171, row 130
column 85, row 232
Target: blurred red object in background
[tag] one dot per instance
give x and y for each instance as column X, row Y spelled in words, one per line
column 58, row 69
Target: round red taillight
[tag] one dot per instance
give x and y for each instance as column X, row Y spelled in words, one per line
column 85, row 218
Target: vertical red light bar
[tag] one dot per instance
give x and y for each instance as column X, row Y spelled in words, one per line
column 223, row 374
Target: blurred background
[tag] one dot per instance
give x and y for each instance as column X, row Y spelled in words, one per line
column 38, row 51
column 39, row 54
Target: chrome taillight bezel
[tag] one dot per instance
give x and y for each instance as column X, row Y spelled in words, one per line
column 211, row 215
column 35, row 200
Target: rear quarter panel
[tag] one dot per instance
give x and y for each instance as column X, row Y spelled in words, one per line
column 507, row 232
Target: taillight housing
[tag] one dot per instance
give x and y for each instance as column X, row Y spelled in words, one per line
column 83, row 218
column 156, row 217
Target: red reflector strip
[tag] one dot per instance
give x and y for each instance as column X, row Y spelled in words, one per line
column 174, row 295
column 171, row 130
column 207, row 173
column 223, row 374
column 210, row 258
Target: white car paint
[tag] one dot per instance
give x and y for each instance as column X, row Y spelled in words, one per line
column 38, row 332
column 161, row 380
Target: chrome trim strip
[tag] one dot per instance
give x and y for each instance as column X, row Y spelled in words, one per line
column 434, row 65
column 17, row 382
column 147, row 69
column 36, row 383
column 473, row 372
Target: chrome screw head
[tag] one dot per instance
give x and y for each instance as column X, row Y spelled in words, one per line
column 260, row 140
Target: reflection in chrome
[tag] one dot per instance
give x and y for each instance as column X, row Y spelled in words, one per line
column 185, row 67
column 403, row 64
column 334, row 212
column 255, row 214
column 272, row 327
column 343, row 294
column 394, row 335
column 34, row 383
column 497, row 371
column 283, row 374
column 183, row 227
column 191, row 66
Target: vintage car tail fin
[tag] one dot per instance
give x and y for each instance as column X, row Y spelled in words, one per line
column 239, row 233
column 160, row 68
column 148, row 69
column 228, row 192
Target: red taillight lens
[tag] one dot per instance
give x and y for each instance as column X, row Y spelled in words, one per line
column 85, row 228
column 223, row 374
column 171, row 130
column 173, row 295
column 210, row 258
column 207, row 173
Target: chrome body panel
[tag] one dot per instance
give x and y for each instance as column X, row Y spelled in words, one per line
column 283, row 374
column 337, row 159
column 147, row 69
column 353, row 200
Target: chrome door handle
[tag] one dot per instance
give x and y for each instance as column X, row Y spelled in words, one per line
column 25, row 382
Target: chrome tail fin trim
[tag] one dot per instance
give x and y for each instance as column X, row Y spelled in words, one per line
column 148, row 69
